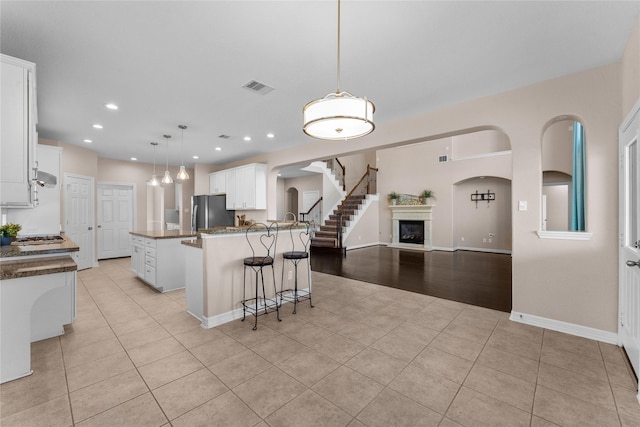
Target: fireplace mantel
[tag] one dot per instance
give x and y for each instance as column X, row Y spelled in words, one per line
column 411, row 213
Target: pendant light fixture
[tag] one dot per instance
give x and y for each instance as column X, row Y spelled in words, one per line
column 339, row 115
column 166, row 179
column 182, row 174
column 154, row 181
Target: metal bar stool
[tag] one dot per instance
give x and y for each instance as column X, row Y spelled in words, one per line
column 257, row 263
column 296, row 256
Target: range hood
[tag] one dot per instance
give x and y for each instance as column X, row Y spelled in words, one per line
column 45, row 179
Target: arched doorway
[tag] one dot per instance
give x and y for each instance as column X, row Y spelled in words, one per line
column 291, row 203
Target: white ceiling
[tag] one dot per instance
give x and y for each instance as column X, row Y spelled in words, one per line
column 178, row 62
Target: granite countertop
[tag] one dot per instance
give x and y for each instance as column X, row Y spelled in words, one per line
column 25, row 250
column 195, row 243
column 36, row 267
column 240, row 230
column 164, row 234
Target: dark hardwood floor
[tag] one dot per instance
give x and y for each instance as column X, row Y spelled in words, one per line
column 478, row 278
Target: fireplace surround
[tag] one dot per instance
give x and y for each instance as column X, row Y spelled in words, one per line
column 411, row 216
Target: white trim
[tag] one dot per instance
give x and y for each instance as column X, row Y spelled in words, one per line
column 470, row 248
column 369, row 198
column 565, row 327
column 564, row 235
column 222, row 318
column 444, row 249
column 367, row 245
column 479, row 156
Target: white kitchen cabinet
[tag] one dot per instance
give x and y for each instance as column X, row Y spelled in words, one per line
column 137, row 256
column 158, row 261
column 230, row 179
column 247, row 187
column 217, row 183
column 18, row 131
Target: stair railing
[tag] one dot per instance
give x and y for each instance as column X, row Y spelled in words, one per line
column 366, row 185
column 314, row 214
column 338, row 170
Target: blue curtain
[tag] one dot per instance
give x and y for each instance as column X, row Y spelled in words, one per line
column 577, row 183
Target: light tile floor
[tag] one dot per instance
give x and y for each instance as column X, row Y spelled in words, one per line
column 366, row 355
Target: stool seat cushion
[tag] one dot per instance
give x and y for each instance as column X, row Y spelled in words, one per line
column 295, row 255
column 258, row 261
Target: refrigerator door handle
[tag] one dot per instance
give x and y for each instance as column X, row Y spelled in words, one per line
column 193, row 217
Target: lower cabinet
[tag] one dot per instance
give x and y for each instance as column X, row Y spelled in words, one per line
column 159, row 262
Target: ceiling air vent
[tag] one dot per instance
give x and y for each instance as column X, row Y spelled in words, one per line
column 223, row 136
column 257, row 87
column 443, row 159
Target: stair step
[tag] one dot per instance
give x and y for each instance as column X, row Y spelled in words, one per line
column 327, row 234
column 323, row 242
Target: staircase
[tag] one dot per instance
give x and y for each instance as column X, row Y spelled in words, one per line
column 328, row 236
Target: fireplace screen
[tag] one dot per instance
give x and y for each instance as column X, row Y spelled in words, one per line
column 411, row 232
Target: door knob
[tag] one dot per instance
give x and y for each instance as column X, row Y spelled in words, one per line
column 90, row 228
column 633, row 263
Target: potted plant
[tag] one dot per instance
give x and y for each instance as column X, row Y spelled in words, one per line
column 426, row 196
column 9, row 233
column 393, row 197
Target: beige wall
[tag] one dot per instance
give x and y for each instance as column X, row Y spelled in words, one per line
column 476, row 143
column 570, row 281
column 631, row 71
column 413, row 168
column 302, row 184
column 117, row 171
column 201, row 178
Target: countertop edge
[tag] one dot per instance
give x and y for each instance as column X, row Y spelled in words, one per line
column 18, row 269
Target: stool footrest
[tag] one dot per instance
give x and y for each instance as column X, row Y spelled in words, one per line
column 264, row 304
column 290, row 294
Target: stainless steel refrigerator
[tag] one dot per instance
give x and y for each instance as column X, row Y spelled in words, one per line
column 210, row 211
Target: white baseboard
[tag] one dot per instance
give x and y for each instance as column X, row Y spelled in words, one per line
column 494, row 251
column 229, row 316
column 443, row 249
column 567, row 328
column 366, row 245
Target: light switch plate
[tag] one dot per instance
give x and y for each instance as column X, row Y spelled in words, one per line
column 522, row 205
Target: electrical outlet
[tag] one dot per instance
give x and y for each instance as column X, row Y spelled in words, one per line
column 290, row 275
column 462, row 239
column 490, row 241
column 484, row 240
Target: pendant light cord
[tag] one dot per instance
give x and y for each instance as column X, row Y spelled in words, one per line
column 338, row 76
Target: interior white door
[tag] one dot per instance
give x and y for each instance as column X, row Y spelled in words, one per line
column 79, row 217
column 115, row 220
column 629, row 258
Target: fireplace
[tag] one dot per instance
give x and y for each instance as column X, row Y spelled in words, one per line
column 411, row 227
column 411, row 232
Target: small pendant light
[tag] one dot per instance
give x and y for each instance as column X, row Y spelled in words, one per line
column 154, row 181
column 182, row 174
column 166, row 179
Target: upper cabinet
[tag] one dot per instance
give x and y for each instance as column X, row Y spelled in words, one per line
column 19, row 136
column 246, row 187
column 217, row 183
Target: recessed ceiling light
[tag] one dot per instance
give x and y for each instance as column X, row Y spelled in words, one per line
column 97, row 126
column 88, row 141
column 270, row 135
column 279, row 174
column 218, row 148
column 134, row 159
column 111, row 106
column 247, row 138
column 196, row 157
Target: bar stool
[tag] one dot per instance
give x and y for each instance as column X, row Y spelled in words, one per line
column 296, row 256
column 257, row 263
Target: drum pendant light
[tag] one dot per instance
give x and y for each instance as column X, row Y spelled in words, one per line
column 182, row 174
column 166, row 179
column 339, row 115
column 154, row 181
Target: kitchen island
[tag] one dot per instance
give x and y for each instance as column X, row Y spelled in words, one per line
column 215, row 275
column 37, row 298
column 156, row 258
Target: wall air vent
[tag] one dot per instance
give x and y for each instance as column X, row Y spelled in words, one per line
column 443, row 159
column 257, row 87
column 223, row 136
